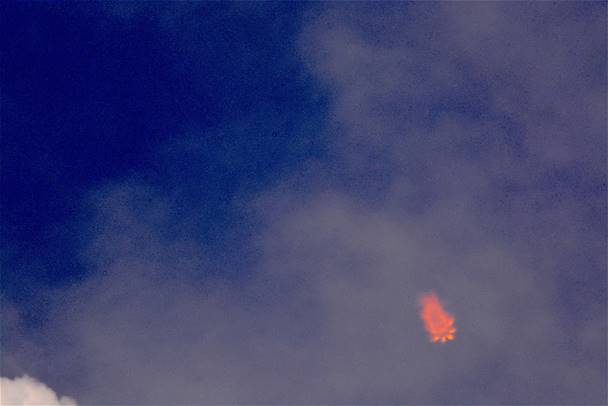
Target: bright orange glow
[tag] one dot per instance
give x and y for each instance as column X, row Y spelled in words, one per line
column 438, row 323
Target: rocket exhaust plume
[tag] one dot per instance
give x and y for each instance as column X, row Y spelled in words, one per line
column 437, row 322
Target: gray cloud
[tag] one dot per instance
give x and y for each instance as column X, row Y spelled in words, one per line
column 497, row 204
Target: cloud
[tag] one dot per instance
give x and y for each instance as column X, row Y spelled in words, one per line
column 28, row 391
column 447, row 172
column 393, row 69
column 472, row 127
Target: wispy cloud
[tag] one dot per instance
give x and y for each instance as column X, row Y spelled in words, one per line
column 462, row 161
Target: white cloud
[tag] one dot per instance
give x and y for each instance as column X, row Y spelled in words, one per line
column 28, row 391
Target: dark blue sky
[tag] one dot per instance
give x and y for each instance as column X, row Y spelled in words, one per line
column 217, row 202
column 90, row 97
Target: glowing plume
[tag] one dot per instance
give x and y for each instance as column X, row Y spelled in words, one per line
column 437, row 322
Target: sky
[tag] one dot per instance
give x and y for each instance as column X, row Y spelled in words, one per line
column 222, row 203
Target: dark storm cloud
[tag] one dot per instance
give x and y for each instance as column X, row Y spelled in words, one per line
column 467, row 157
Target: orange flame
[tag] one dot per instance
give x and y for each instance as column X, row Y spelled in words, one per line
column 438, row 323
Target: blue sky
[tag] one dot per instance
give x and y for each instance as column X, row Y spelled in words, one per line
column 242, row 202
column 92, row 100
